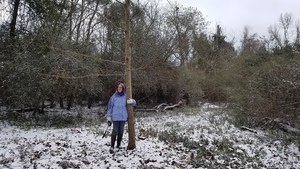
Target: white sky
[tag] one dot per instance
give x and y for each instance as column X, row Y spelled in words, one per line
column 233, row 15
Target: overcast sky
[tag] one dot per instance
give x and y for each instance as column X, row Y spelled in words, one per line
column 233, row 15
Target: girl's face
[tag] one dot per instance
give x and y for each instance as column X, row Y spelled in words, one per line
column 120, row 88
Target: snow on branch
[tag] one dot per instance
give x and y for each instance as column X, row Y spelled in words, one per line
column 163, row 107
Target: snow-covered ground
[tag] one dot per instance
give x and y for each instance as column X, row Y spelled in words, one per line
column 197, row 138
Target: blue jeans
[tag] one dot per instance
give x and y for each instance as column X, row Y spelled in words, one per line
column 118, row 127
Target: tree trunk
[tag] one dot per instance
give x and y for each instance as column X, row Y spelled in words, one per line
column 70, row 102
column 131, row 142
column 14, row 19
column 90, row 102
column 43, row 107
column 89, row 29
column 61, row 102
column 80, row 22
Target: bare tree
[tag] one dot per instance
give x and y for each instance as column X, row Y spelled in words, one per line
column 297, row 38
column 286, row 21
column 281, row 34
column 250, row 44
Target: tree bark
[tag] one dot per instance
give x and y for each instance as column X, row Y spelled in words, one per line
column 131, row 141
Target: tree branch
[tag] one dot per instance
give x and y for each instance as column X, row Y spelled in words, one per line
column 84, row 55
column 80, row 77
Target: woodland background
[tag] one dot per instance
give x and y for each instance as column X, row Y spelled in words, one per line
column 71, row 52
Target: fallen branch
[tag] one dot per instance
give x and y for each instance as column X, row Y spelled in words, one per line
column 161, row 107
column 173, row 106
column 249, row 129
column 147, row 110
column 289, row 129
column 142, row 138
column 279, row 123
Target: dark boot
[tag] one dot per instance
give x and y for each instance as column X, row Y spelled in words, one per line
column 113, row 140
column 119, row 140
column 112, row 144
